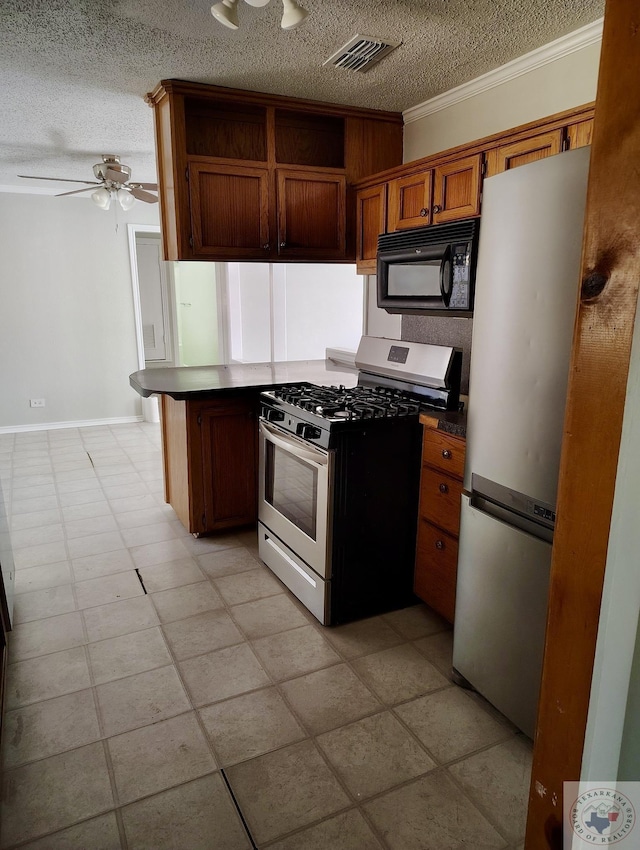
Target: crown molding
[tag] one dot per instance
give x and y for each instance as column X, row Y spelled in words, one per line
column 567, row 44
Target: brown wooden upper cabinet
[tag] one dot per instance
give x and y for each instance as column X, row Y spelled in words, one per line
column 579, row 134
column 251, row 176
column 371, row 216
column 410, row 201
column 524, row 151
column 238, row 227
column 311, row 214
column 456, row 189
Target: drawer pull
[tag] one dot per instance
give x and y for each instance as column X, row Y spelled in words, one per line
column 443, row 488
column 440, row 544
column 446, row 453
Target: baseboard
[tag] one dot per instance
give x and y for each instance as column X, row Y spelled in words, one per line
column 78, row 423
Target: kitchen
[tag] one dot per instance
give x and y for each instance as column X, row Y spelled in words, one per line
column 584, row 100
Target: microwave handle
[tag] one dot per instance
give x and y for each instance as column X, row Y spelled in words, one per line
column 445, row 286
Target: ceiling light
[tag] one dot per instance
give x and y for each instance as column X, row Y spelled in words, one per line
column 125, row 199
column 227, row 13
column 102, row 197
column 293, row 15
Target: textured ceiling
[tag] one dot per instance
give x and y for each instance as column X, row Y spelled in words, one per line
column 74, row 72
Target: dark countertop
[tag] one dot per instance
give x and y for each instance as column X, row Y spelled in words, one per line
column 191, row 382
column 450, row 421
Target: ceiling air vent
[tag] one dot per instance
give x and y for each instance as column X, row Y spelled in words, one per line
column 360, row 53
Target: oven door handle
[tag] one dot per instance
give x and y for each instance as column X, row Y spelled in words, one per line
column 289, row 444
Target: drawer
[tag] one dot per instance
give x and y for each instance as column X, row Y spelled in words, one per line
column 436, row 569
column 440, row 499
column 443, row 451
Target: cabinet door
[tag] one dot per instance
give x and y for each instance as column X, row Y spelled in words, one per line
column 410, row 201
column 371, row 219
column 521, row 153
column 311, row 214
column 228, row 439
column 436, row 569
column 229, row 211
column 579, row 135
column 456, row 190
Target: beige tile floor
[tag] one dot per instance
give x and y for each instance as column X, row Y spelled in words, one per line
column 213, row 711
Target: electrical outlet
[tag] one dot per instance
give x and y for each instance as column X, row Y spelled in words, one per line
column 36, row 402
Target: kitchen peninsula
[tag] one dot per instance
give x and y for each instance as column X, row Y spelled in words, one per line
column 209, row 433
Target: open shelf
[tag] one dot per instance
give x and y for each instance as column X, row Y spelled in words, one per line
column 312, row 140
column 226, row 130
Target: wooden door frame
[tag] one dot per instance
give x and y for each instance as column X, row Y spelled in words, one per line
column 600, row 358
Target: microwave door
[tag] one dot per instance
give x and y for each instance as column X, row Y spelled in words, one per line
column 413, row 279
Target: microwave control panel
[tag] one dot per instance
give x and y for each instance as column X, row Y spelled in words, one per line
column 461, row 278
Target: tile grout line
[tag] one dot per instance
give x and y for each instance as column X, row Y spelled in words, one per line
column 238, row 809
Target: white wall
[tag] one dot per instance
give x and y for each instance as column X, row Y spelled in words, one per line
column 67, row 331
column 320, row 305
column 561, row 84
column 379, row 322
column 249, row 312
column 293, row 311
column 197, row 313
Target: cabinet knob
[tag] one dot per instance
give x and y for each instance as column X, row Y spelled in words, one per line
column 266, row 246
column 424, row 212
column 444, row 488
column 283, row 244
column 440, row 544
column 446, row 454
column 437, row 208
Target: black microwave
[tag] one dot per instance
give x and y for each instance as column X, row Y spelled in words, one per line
column 430, row 270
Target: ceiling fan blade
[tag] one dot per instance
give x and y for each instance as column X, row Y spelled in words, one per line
column 58, row 179
column 153, row 186
column 141, row 195
column 75, row 192
column 116, row 176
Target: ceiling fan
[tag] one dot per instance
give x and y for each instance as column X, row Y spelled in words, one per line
column 113, row 181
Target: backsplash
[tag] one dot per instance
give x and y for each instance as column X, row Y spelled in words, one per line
column 441, row 330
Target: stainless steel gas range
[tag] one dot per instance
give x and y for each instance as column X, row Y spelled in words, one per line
column 339, row 478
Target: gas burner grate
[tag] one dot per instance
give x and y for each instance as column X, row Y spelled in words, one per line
column 350, row 403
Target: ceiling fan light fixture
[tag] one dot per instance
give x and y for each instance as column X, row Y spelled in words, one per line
column 293, row 15
column 125, row 199
column 102, row 197
column 227, row 13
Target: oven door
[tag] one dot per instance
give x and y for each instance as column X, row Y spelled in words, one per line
column 294, row 495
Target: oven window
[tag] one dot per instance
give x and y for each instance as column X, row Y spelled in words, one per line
column 291, row 486
column 420, row 279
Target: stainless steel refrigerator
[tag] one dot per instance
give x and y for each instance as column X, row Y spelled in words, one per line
column 525, row 306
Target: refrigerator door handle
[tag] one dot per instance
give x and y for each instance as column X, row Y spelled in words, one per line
column 509, row 517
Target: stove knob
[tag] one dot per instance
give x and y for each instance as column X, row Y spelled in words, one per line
column 275, row 415
column 310, row 432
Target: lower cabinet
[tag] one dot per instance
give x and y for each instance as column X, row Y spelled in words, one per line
column 210, row 461
column 439, row 521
